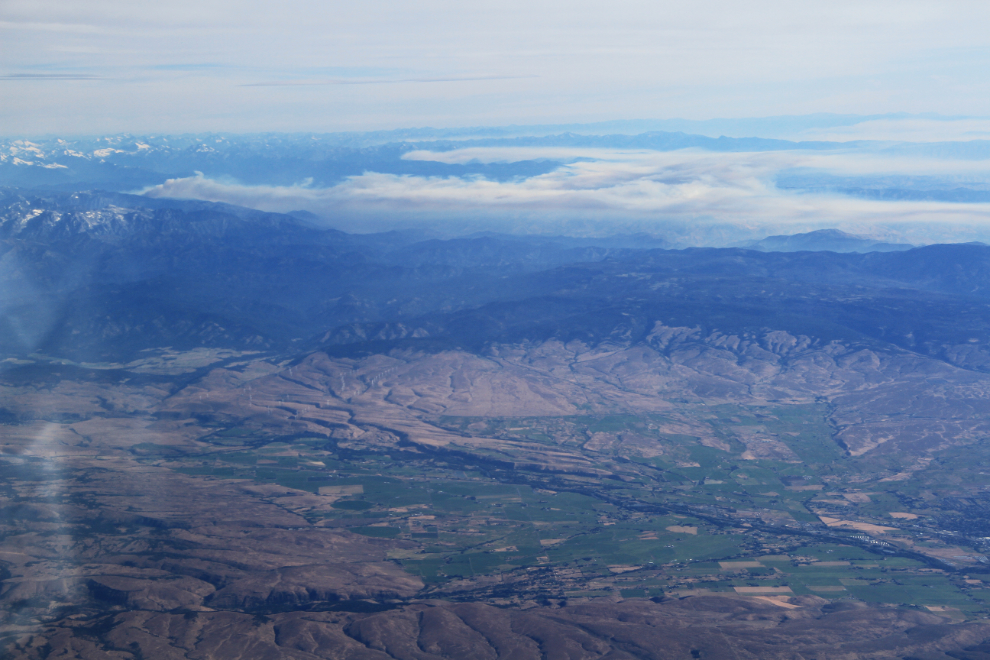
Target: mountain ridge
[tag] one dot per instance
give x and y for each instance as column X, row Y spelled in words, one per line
column 831, row 240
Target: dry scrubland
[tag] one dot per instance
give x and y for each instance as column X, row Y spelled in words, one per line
column 757, row 496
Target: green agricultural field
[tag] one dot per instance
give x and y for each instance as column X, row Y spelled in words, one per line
column 472, row 520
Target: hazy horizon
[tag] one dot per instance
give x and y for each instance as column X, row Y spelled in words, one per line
column 654, row 176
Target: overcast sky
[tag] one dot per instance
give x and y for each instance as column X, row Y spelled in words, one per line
column 71, row 66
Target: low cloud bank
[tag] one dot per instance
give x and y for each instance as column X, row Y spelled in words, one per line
column 604, row 191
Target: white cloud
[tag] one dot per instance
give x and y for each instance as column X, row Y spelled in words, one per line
column 840, row 161
column 616, row 189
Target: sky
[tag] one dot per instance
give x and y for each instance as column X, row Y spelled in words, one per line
column 70, row 67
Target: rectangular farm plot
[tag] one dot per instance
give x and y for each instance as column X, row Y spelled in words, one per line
column 858, row 526
column 683, row 529
column 919, row 591
column 341, row 491
column 617, row 545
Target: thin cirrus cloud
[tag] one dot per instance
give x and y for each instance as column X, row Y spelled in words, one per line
column 381, row 81
column 613, row 190
column 49, row 76
column 512, row 62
